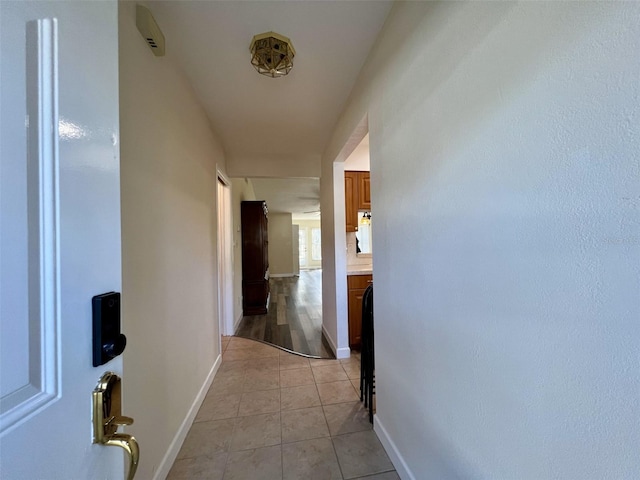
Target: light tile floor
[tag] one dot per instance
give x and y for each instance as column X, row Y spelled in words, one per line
column 273, row 415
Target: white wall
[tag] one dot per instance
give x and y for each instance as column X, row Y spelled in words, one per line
column 241, row 189
column 280, row 244
column 334, row 263
column 168, row 165
column 353, row 259
column 505, row 146
column 359, row 159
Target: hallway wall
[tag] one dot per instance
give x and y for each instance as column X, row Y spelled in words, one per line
column 334, row 254
column 504, row 148
column 280, row 244
column 168, row 173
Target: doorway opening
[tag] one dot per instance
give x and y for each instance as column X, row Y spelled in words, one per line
column 343, row 240
column 309, row 244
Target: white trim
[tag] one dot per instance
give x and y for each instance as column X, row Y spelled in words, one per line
column 43, row 171
column 339, row 289
column 340, row 353
column 390, row 447
column 181, row 434
column 344, row 352
column 330, row 340
column 237, row 323
column 224, row 249
column 282, row 275
column 223, row 177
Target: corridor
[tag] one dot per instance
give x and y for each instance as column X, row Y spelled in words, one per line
column 270, row 414
column 294, row 319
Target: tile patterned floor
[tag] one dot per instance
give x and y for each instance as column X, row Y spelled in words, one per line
column 273, row 415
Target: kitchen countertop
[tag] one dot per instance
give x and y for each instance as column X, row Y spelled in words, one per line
column 359, row 269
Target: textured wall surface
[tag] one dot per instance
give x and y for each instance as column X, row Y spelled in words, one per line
column 505, row 148
column 169, row 159
column 280, row 244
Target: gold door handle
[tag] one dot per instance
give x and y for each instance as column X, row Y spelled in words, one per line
column 107, row 417
column 119, row 421
column 130, row 445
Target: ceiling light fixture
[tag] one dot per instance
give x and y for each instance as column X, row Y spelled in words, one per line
column 272, row 54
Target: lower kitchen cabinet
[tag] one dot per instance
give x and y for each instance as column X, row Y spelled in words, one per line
column 356, row 285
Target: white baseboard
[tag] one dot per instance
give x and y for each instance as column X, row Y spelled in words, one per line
column 330, row 341
column 181, row 434
column 282, row 275
column 343, row 353
column 390, row 447
column 338, row 352
column 235, row 325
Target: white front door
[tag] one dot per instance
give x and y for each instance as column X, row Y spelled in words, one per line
column 59, row 232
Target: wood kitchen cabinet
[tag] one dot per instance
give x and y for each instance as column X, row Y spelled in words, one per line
column 255, row 257
column 356, row 285
column 351, row 200
column 357, row 196
column 364, row 191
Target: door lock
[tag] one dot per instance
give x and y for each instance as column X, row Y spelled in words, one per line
column 108, row 342
column 107, row 417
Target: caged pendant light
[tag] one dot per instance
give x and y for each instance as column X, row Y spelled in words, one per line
column 272, row 54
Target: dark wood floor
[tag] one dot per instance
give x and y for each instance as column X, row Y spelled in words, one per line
column 294, row 319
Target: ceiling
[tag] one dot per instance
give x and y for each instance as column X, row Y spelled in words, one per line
column 255, row 115
column 359, row 158
column 276, row 127
column 299, row 196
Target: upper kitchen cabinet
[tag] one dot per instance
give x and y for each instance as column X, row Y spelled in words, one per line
column 364, row 191
column 357, row 196
column 351, row 200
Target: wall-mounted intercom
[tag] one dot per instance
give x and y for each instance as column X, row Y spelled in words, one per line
column 108, row 342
